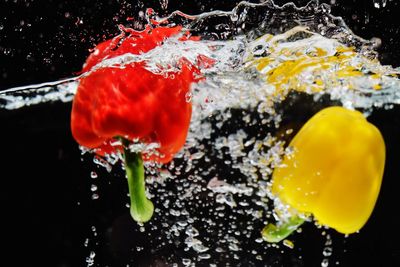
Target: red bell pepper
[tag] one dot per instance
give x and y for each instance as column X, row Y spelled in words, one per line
column 132, row 103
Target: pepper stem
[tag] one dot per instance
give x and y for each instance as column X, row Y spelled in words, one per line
column 276, row 233
column 141, row 208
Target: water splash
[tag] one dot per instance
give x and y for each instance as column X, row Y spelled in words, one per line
column 18, row 97
column 380, row 3
column 213, row 198
column 164, row 4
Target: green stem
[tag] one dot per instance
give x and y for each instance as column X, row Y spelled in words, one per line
column 141, row 208
column 276, row 233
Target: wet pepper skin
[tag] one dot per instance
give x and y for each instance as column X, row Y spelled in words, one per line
column 335, row 171
column 132, row 102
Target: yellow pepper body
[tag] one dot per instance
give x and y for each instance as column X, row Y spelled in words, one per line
column 335, row 170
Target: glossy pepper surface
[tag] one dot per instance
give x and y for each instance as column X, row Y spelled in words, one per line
column 334, row 171
column 120, row 103
column 131, row 101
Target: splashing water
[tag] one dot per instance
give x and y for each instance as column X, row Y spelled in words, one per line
column 213, row 199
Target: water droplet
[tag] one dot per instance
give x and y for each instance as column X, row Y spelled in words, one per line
column 259, row 240
column 164, row 4
column 90, row 259
column 188, row 97
column 103, row 163
column 182, row 223
column 327, row 251
column 379, row 3
column 289, row 131
column 199, row 247
column 226, row 199
column 233, row 247
column 325, row 263
column 204, row 256
column 186, row 262
column 288, row 243
column 174, row 212
column 191, row 231
column 197, row 155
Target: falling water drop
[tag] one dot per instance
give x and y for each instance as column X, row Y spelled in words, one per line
column 164, row 4
column 93, row 175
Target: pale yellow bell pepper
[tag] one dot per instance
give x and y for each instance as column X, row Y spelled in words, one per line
column 333, row 173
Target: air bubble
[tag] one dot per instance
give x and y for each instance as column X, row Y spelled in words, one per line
column 288, row 243
column 102, row 162
column 186, row 262
column 327, row 251
column 90, row 259
column 204, row 256
column 325, row 263
column 191, row 231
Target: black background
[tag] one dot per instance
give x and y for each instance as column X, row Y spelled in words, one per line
column 45, row 40
column 46, row 210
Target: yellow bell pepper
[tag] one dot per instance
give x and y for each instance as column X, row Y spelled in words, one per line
column 334, row 173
